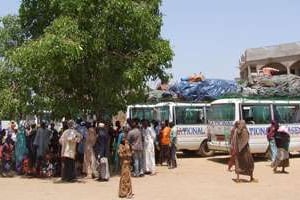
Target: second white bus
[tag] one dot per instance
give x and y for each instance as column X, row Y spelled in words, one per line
column 257, row 114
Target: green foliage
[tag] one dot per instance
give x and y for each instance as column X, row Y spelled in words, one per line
column 11, row 34
column 13, row 92
column 90, row 55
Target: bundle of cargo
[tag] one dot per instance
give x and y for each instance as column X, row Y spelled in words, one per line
column 272, row 86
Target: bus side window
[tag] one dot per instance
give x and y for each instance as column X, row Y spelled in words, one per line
column 296, row 117
column 287, row 113
column 256, row 114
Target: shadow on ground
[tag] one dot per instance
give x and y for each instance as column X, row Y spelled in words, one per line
column 191, row 154
column 224, row 159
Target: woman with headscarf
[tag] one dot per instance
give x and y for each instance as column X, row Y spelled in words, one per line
column 125, row 185
column 271, row 130
column 102, row 152
column 20, row 148
column 282, row 139
column 119, row 137
column 31, row 149
column 244, row 164
column 232, row 142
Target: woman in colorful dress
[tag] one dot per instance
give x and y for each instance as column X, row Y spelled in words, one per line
column 125, row 187
column 20, row 148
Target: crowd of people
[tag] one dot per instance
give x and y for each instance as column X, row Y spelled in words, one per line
column 97, row 150
column 88, row 149
column 241, row 156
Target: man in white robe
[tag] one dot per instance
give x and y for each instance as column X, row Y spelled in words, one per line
column 149, row 155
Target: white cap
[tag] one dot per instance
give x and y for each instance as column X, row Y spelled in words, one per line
column 101, row 125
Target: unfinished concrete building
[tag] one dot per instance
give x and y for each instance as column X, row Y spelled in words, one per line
column 283, row 57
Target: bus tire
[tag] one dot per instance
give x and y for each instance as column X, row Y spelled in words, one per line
column 204, row 151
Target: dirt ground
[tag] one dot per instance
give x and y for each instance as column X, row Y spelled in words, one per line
column 195, row 178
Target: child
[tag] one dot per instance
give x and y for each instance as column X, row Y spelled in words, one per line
column 7, row 154
column 47, row 167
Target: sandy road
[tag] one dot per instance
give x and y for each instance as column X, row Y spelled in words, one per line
column 195, row 178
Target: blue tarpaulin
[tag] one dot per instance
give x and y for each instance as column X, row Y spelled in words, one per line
column 208, row 89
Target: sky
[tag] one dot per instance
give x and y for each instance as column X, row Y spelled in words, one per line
column 209, row 36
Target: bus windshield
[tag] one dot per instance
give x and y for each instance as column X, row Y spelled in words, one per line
column 189, row 115
column 221, row 112
column 142, row 113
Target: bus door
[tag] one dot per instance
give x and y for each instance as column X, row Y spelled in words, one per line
column 190, row 125
column 220, row 122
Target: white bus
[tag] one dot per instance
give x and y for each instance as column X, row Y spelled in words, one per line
column 257, row 114
column 190, row 122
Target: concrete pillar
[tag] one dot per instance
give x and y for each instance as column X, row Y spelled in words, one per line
column 258, row 68
column 288, row 65
column 249, row 78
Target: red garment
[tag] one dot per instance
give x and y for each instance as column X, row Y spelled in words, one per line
column 7, row 151
column 271, row 131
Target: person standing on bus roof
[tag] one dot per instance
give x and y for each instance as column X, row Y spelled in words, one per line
column 244, row 164
column 271, row 138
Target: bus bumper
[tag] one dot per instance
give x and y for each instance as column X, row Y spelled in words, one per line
column 218, row 146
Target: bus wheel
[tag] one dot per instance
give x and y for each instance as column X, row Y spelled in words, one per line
column 204, row 151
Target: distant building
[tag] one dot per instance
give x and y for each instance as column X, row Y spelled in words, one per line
column 283, row 57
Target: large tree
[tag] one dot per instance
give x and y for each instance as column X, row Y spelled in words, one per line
column 91, row 55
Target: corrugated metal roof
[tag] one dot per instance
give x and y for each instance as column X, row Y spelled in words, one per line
column 281, row 50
